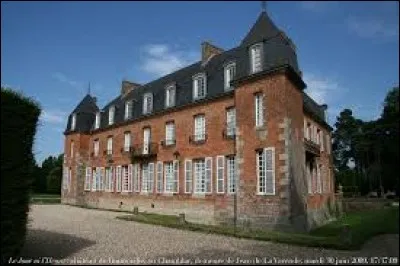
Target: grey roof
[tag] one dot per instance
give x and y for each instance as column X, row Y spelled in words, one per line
column 277, row 52
column 85, row 113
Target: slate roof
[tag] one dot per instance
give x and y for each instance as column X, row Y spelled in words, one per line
column 277, row 52
column 85, row 112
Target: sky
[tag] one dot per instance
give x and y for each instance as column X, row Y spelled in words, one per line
column 348, row 51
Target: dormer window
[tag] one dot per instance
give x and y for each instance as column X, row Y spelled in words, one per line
column 199, row 86
column 256, row 58
column 170, row 93
column 73, row 122
column 229, row 74
column 97, row 121
column 128, row 110
column 111, row 114
column 147, row 103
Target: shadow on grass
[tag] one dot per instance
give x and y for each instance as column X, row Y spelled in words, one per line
column 41, row 243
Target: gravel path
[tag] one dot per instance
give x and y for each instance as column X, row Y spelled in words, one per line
column 75, row 236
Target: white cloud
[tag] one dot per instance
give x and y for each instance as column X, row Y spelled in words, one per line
column 319, row 88
column 64, row 79
column 372, row 28
column 160, row 59
column 53, row 116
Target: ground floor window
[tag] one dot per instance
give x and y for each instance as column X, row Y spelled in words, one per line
column 231, row 173
column 266, row 171
column 171, row 176
column 202, row 175
column 147, row 177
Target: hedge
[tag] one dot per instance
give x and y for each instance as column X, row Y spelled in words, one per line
column 19, row 118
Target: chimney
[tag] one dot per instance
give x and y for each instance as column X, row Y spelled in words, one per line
column 208, row 50
column 128, row 86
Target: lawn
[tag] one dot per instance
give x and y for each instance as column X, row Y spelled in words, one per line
column 362, row 225
column 46, row 198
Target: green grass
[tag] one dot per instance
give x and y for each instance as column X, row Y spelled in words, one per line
column 363, row 226
column 45, row 199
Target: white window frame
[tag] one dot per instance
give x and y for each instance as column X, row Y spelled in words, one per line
column 128, row 110
column 96, row 147
column 148, row 179
column 88, row 177
column 94, row 179
column 160, row 177
column 231, row 121
column 126, row 178
column 199, row 127
column 255, row 68
column 196, row 81
column 73, row 122
column 203, row 176
column 231, row 174
column 118, row 177
column 321, row 140
column 220, row 172
column 171, row 170
column 170, row 133
column 111, row 115
column 97, row 121
column 146, row 140
column 170, row 96
column 101, row 177
column 229, row 74
column 127, row 141
column 265, row 171
column 109, row 181
column 109, row 145
column 259, row 109
column 188, row 176
column 147, row 103
column 136, row 177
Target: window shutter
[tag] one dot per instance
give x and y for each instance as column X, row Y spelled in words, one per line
column 159, row 177
column 94, row 180
column 269, row 160
column 118, row 181
column 136, row 183
column 87, row 178
column 208, row 174
column 102, row 174
column 151, row 177
column 176, row 176
column 111, row 178
column 188, row 176
column 130, row 178
column 220, row 174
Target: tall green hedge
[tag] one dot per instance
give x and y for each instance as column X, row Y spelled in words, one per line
column 19, row 118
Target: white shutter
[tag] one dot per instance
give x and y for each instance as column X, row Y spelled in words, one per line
column 269, row 160
column 87, row 178
column 130, row 178
column 321, row 140
column 94, row 179
column 118, row 177
column 102, row 174
column 220, row 174
column 136, row 180
column 176, row 176
column 160, row 177
column 188, row 176
column 112, row 179
column 151, row 177
column 208, row 174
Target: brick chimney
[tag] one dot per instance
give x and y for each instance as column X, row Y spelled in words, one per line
column 128, row 86
column 208, row 50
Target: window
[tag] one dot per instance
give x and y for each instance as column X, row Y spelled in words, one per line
column 126, row 178
column 321, row 140
column 94, row 179
column 98, row 178
column 118, row 179
column 72, row 149
column 109, row 145
column 256, row 58
column 128, row 110
column 127, row 141
column 231, row 122
column 317, row 136
column 259, row 109
column 229, row 74
column 97, row 121
column 88, row 177
column 111, row 114
column 170, row 96
column 220, row 174
column 309, row 131
column 160, row 177
column 96, row 147
column 101, row 177
column 199, row 128
column 109, row 180
column 136, row 177
column 231, row 173
column 147, row 177
column 171, row 176
column 188, row 176
column 202, row 175
column 266, row 171
column 73, row 122
column 319, row 181
column 309, row 177
column 199, row 86
column 147, row 103
column 146, row 140
column 170, row 133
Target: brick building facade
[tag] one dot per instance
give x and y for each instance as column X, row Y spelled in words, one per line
column 231, row 138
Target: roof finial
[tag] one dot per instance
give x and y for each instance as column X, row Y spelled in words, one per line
column 264, row 6
column 89, row 88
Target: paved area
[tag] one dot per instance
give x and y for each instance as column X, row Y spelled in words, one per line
column 71, row 235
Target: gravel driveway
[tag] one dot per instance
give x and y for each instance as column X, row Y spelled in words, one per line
column 74, row 235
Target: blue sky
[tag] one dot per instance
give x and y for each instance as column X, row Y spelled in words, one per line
column 348, row 51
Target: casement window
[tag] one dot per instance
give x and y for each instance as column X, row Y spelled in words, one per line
column 128, row 110
column 118, row 181
column 160, row 177
column 220, row 174
column 109, row 180
column 72, row 149
column 170, row 93
column 126, row 178
column 188, row 176
column 100, row 173
column 259, row 109
column 231, row 122
column 328, row 144
column 321, row 140
column 305, row 132
column 97, row 179
column 199, row 86
column 199, row 128
column 309, row 131
column 147, row 103
column 170, row 133
column 256, row 58
column 146, row 140
column 317, row 136
column 171, row 176
column 73, row 122
column 231, row 174
column 229, row 74
column 94, row 179
column 88, row 177
column 202, row 175
column 266, row 171
column 96, row 147
column 319, row 180
column 109, row 145
column 136, row 177
column 97, row 121
column 127, row 141
column 147, row 177
column 111, row 115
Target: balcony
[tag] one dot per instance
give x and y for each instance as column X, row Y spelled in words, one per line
column 126, row 150
column 312, row 147
column 168, row 143
column 229, row 133
column 198, row 139
column 144, row 151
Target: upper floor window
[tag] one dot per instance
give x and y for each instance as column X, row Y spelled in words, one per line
column 147, row 103
column 73, row 122
column 170, row 133
column 111, row 114
column 109, row 145
column 231, row 122
column 256, row 58
column 170, row 96
column 127, row 141
column 199, row 86
column 128, row 110
column 199, row 128
column 97, row 121
column 259, row 109
column 229, row 74
column 96, row 147
column 72, row 149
